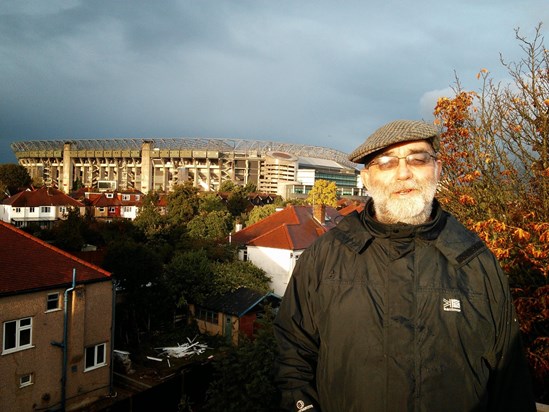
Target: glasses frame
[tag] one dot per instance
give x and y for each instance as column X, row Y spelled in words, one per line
column 407, row 159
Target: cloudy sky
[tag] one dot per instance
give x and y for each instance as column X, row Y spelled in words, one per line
column 326, row 73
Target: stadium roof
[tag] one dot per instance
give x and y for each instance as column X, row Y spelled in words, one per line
column 182, row 143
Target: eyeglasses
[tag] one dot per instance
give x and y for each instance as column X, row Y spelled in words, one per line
column 417, row 160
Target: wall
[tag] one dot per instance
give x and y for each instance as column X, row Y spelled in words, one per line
column 278, row 263
column 91, row 320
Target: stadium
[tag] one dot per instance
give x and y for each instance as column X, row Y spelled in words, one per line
column 285, row 169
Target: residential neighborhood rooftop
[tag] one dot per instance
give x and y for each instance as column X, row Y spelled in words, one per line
column 18, row 270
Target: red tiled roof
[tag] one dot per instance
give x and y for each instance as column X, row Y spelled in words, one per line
column 28, row 263
column 292, row 228
column 351, row 208
column 45, row 196
column 104, row 201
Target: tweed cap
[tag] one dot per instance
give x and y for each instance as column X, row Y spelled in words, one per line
column 395, row 132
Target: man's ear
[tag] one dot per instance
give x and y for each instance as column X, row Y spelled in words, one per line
column 439, row 169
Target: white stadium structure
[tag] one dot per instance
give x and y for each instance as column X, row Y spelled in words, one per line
column 285, row 169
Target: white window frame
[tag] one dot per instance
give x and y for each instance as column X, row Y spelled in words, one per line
column 17, row 210
column 31, row 209
column 112, row 209
column 18, row 331
column 26, row 380
column 125, row 197
column 45, row 209
column 96, row 363
column 53, row 297
column 109, row 195
column 62, row 209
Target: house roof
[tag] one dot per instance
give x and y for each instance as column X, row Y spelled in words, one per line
column 45, row 196
column 104, row 201
column 238, row 302
column 28, row 263
column 358, row 207
column 292, row 228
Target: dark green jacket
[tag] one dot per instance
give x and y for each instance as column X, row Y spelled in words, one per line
column 400, row 318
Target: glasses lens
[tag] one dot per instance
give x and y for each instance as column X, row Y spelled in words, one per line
column 386, row 162
column 412, row 160
column 418, row 159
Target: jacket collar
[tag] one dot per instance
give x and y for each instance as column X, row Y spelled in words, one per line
column 358, row 230
column 428, row 230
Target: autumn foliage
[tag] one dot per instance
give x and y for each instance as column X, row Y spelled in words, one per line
column 495, row 151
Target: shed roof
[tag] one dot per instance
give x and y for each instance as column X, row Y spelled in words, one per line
column 238, row 302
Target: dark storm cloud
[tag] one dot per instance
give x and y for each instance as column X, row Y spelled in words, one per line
column 312, row 72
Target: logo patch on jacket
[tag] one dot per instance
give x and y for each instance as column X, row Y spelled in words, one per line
column 300, row 405
column 451, row 305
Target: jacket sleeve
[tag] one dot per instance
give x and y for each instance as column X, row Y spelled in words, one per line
column 298, row 341
column 510, row 387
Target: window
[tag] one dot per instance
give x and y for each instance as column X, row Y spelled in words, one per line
column 112, row 209
column 109, row 195
column 95, row 356
column 62, row 209
column 125, row 197
column 52, row 301
column 101, row 209
column 31, row 209
column 207, row 315
column 17, row 335
column 26, row 380
column 45, row 209
column 17, row 210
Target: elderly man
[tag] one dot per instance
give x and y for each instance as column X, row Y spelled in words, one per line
column 400, row 308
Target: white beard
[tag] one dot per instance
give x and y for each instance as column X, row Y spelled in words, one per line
column 413, row 210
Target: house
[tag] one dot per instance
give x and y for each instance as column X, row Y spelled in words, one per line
column 109, row 205
column 233, row 314
column 56, row 317
column 41, row 206
column 275, row 243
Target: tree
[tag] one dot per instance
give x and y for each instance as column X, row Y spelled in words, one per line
column 237, row 203
column 149, row 218
column 13, row 178
column 495, row 147
column 230, row 276
column 68, row 233
column 211, row 202
column 215, row 225
column 137, row 271
column 259, row 213
column 323, row 193
column 189, row 277
column 250, row 187
column 183, row 204
column 226, row 186
column 244, row 376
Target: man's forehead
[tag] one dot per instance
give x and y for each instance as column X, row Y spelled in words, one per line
column 408, row 147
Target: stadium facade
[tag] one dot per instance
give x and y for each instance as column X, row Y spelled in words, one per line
column 158, row 164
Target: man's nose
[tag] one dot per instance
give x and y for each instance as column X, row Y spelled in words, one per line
column 403, row 170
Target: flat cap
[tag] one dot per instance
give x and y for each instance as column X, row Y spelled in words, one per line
column 395, row 132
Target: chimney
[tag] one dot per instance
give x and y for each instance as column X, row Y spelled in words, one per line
column 319, row 213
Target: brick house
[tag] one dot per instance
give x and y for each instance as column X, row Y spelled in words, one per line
column 56, row 317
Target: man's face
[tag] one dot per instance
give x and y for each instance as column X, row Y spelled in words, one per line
column 403, row 189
